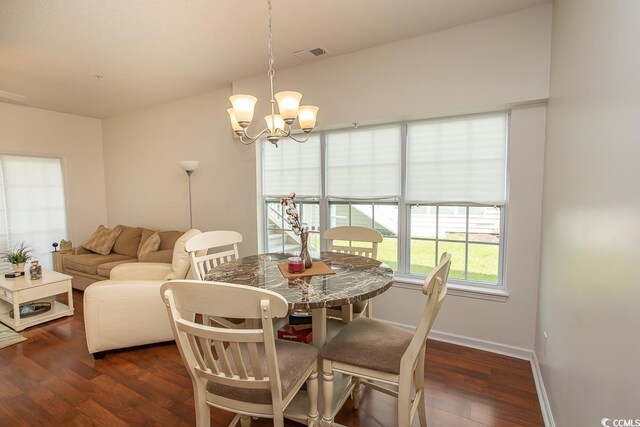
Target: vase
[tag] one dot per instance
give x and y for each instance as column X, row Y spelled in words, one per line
column 35, row 271
column 18, row 268
column 304, row 250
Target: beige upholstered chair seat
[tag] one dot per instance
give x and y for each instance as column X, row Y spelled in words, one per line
column 294, row 359
column 370, row 344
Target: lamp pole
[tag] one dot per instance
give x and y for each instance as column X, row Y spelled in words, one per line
column 189, row 167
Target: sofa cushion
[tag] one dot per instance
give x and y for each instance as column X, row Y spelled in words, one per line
column 167, row 238
column 88, row 263
column 104, row 270
column 102, row 240
column 152, row 244
column 181, row 263
column 164, row 256
column 128, row 241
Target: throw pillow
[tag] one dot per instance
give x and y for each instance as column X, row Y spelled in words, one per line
column 102, row 240
column 150, row 245
column 181, row 263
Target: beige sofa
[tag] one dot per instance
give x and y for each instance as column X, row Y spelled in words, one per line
column 87, row 267
column 127, row 310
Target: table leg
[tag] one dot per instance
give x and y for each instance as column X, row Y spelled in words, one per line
column 70, row 297
column 16, row 312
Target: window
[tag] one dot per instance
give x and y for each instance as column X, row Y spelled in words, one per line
column 471, row 234
column 32, row 204
column 428, row 186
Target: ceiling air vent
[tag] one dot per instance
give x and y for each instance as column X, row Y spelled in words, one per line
column 311, row 53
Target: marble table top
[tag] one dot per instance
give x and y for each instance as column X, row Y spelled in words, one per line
column 357, row 278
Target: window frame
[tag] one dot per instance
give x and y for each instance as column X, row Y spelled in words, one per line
column 403, row 275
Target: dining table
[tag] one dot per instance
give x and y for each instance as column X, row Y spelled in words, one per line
column 356, row 278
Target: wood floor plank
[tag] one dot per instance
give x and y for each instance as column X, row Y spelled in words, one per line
column 52, row 380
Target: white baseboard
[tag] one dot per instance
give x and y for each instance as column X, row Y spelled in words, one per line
column 545, row 406
column 493, row 347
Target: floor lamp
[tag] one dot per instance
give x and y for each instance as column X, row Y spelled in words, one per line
column 190, row 167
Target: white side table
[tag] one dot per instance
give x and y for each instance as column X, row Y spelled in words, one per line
column 20, row 290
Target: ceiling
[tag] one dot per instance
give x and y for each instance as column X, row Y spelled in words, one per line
column 153, row 51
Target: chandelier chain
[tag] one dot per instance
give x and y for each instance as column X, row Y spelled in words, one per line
column 270, row 73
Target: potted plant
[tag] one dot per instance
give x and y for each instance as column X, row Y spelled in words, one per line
column 18, row 256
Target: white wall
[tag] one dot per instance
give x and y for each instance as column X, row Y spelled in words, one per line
column 589, row 291
column 76, row 139
column 495, row 63
column 147, row 187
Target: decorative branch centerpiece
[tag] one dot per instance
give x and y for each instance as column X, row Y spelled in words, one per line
column 293, row 219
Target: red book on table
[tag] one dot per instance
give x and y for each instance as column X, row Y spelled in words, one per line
column 287, row 332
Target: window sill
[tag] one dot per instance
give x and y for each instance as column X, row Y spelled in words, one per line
column 476, row 292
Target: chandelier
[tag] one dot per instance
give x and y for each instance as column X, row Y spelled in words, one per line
column 278, row 125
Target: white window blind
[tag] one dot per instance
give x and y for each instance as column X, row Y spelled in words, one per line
column 292, row 167
column 364, row 163
column 460, row 159
column 33, row 209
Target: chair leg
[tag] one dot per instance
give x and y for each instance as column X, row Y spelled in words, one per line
column 356, row 393
column 312, row 392
column 327, row 393
column 278, row 420
column 419, row 381
column 245, row 420
column 404, row 404
column 203, row 413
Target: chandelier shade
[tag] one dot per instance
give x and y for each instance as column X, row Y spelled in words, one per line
column 278, row 125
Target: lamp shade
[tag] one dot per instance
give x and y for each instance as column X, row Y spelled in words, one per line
column 277, row 120
column 189, row 165
column 307, row 117
column 243, row 108
column 288, row 103
column 234, row 121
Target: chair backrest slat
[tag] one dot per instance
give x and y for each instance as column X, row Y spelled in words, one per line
column 225, row 366
column 192, row 339
column 254, row 359
column 205, row 348
column 237, row 360
column 202, row 252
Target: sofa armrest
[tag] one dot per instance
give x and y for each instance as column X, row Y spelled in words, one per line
column 119, row 314
column 81, row 251
column 140, row 271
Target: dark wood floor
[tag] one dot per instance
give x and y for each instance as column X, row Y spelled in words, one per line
column 50, row 380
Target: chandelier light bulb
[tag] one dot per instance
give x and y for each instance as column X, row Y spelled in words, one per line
column 307, row 117
column 275, row 124
column 234, row 122
column 243, row 106
column 288, row 103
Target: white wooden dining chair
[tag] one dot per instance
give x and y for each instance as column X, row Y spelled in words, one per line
column 245, row 371
column 204, row 250
column 210, row 249
column 370, row 350
column 360, row 241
